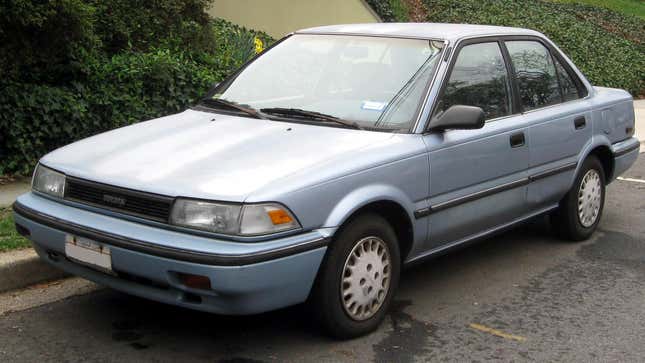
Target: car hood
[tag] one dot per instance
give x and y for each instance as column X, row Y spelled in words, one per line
column 204, row 155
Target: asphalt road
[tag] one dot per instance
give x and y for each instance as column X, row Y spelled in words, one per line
column 523, row 295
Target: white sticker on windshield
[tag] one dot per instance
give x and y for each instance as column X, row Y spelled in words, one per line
column 373, row 105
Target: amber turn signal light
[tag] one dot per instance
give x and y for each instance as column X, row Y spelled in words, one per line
column 279, row 216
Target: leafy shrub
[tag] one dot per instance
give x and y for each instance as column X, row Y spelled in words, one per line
column 34, row 118
column 43, row 41
column 608, row 49
column 628, row 27
column 629, row 7
column 400, row 10
column 383, row 9
column 75, row 68
column 236, row 44
column 142, row 24
column 390, row 10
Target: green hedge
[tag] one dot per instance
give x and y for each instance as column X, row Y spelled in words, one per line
column 606, row 46
column 75, row 68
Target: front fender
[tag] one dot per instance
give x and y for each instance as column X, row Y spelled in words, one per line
column 365, row 195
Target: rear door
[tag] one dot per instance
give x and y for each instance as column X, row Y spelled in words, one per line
column 478, row 177
column 559, row 123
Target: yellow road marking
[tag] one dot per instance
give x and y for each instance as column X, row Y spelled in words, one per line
column 631, row 180
column 497, row 332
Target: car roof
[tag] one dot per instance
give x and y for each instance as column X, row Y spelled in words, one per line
column 443, row 31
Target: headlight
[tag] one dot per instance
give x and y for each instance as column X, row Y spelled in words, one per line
column 214, row 217
column 234, row 219
column 48, row 181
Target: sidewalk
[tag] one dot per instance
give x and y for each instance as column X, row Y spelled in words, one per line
column 9, row 192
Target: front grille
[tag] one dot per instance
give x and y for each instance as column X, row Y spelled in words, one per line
column 140, row 204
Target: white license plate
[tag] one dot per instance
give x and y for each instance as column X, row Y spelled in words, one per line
column 88, row 252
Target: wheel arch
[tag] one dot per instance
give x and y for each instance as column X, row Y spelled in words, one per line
column 600, row 147
column 604, row 154
column 386, row 201
column 397, row 217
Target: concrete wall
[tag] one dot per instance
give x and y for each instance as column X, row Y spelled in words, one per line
column 280, row 17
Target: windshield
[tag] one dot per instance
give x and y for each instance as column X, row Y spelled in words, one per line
column 359, row 81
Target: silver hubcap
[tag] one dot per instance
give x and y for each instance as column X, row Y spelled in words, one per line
column 366, row 278
column 589, row 198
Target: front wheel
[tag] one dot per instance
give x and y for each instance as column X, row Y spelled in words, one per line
column 581, row 208
column 358, row 279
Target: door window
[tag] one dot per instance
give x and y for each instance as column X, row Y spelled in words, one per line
column 535, row 74
column 479, row 78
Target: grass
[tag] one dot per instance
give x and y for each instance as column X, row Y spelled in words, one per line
column 9, row 238
column 629, row 7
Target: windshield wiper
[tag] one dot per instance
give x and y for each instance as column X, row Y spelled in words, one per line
column 236, row 106
column 310, row 115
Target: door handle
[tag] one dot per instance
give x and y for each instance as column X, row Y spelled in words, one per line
column 517, row 139
column 580, row 122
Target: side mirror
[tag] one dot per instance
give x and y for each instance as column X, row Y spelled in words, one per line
column 459, row 117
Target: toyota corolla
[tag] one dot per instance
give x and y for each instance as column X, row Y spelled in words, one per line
column 327, row 163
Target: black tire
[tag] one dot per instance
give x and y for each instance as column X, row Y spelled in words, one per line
column 326, row 300
column 565, row 219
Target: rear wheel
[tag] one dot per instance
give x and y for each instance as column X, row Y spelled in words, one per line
column 358, row 278
column 581, row 208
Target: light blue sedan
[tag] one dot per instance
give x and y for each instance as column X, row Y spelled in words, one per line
column 327, row 163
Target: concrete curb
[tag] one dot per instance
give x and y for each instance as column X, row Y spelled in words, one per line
column 23, row 268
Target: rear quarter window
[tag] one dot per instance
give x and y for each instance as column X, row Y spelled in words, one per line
column 570, row 89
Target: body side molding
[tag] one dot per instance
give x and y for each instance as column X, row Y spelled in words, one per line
column 424, row 212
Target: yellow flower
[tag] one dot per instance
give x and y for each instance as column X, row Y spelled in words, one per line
column 259, row 46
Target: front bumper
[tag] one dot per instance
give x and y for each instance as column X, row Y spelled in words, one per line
column 246, row 278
